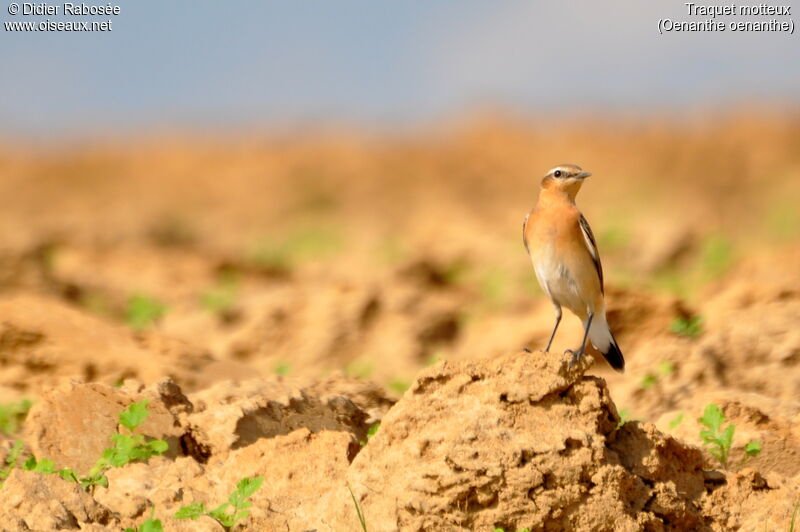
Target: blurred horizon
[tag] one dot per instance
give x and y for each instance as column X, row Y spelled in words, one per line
column 200, row 65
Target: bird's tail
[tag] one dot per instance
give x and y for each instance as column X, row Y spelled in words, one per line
column 602, row 338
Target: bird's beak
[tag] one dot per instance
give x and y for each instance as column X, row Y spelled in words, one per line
column 584, row 175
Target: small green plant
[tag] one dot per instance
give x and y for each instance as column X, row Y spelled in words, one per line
column 648, row 381
column 221, row 298
column 624, row 417
column 717, row 256
column 282, row 369
column 434, row 358
column 454, row 271
column 361, row 519
column 12, row 415
column 399, row 385
column 359, row 369
column 691, row 327
column 794, row 515
column 127, row 448
column 151, row 524
column 717, row 439
column 297, row 247
column 228, row 513
column 677, row 420
column 665, row 369
column 11, row 461
column 752, row 448
column 46, row 466
column 143, row 311
column 372, row 431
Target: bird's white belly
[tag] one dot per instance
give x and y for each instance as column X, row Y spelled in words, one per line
column 556, row 281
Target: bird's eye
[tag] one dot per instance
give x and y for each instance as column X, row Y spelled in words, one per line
column 557, row 173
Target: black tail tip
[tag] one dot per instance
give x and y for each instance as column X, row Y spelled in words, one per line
column 614, row 357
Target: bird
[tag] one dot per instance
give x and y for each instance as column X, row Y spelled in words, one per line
column 566, row 262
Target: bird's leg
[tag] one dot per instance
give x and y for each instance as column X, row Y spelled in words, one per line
column 555, row 328
column 576, row 355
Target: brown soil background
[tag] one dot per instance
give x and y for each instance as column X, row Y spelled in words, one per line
column 309, row 280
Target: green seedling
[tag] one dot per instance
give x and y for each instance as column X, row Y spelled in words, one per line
column 648, row 381
column 752, row 448
column 361, row 519
column 282, row 369
column 143, row 311
column 45, row 466
column 455, row 271
column 691, row 327
column 717, row 256
column 285, row 254
column 134, row 415
column 624, row 417
column 11, row 461
column 434, row 358
column 794, row 516
column 228, row 513
column 359, row 369
column 12, row 415
column 718, row 440
column 221, row 298
column 399, row 385
column 127, row 448
column 677, row 420
column 665, row 369
column 671, row 281
column 151, row 524
column 372, row 431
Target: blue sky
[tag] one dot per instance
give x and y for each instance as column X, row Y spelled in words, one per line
column 203, row 63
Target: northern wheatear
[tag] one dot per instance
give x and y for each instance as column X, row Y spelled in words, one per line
column 564, row 255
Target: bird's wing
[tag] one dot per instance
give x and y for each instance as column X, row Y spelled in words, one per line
column 591, row 245
column 525, row 238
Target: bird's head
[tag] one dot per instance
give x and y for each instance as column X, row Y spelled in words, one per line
column 566, row 178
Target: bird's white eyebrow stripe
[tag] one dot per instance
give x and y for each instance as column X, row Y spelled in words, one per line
column 591, row 245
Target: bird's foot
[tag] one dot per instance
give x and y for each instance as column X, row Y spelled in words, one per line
column 576, row 356
column 527, row 349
